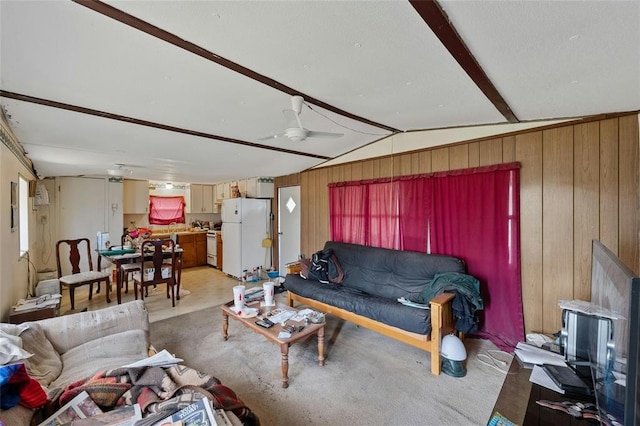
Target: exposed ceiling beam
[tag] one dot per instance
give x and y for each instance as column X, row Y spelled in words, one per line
column 437, row 20
column 97, row 113
column 132, row 21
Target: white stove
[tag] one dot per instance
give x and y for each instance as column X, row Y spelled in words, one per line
column 212, row 247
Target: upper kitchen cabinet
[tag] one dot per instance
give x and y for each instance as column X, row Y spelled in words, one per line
column 223, row 190
column 201, row 198
column 135, row 195
column 259, row 187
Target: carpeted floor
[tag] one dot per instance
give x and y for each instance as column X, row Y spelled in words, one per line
column 367, row 379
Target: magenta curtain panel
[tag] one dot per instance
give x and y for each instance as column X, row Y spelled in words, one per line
column 472, row 214
column 414, row 207
column 380, row 213
column 347, row 213
column 476, row 216
column 383, row 228
column 166, row 210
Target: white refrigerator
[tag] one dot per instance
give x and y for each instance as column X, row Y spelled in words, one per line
column 244, row 227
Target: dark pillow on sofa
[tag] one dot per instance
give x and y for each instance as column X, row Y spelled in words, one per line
column 323, row 266
column 305, row 264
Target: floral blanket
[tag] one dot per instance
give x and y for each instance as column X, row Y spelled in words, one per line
column 160, row 391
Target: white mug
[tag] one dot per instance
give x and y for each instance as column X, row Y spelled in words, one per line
column 268, row 293
column 238, row 297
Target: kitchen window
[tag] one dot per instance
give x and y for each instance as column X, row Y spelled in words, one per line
column 166, row 210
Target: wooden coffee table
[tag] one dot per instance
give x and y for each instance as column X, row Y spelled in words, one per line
column 272, row 333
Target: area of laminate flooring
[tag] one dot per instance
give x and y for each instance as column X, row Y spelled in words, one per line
column 207, row 287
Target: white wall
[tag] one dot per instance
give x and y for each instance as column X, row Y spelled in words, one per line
column 43, row 231
column 14, row 269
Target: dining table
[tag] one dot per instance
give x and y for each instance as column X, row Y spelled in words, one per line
column 119, row 257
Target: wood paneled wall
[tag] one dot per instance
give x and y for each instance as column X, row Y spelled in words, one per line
column 577, row 182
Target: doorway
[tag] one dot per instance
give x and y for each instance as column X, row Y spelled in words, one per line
column 288, row 226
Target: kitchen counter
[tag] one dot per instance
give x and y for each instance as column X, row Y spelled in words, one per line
column 193, row 243
column 164, row 233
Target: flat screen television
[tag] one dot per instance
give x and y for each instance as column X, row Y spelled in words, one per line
column 616, row 383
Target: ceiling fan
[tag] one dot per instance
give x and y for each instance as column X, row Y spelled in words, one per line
column 121, row 170
column 298, row 133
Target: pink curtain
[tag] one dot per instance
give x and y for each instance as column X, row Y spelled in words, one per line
column 381, row 213
column 476, row 217
column 413, row 203
column 347, row 213
column 166, row 210
column 383, row 227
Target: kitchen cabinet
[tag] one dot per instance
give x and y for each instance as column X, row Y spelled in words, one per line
column 260, row 187
column 223, row 190
column 219, row 250
column 217, row 203
column 194, row 246
column 201, row 249
column 135, row 194
column 201, row 198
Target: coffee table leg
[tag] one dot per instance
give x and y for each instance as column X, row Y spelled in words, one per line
column 284, row 348
column 321, row 346
column 225, row 326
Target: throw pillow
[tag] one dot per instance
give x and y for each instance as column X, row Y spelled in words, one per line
column 45, row 365
column 305, row 264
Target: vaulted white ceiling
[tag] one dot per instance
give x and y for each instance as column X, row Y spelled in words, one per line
column 184, row 90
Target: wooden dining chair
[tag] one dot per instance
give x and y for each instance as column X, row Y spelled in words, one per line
column 81, row 265
column 158, row 267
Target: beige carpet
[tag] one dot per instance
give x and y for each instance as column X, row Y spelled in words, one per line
column 368, row 379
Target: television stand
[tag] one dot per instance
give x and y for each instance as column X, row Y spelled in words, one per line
column 518, row 396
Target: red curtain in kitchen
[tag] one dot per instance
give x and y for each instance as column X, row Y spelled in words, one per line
column 476, row 216
column 166, row 210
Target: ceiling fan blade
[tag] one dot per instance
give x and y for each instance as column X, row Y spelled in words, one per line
column 313, row 134
column 276, row 136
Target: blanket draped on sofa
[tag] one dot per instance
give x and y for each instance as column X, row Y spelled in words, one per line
column 466, row 303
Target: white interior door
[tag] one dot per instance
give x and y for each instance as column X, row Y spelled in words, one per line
column 82, row 212
column 288, row 226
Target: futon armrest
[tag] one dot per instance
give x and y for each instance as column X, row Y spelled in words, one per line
column 68, row 331
column 442, row 299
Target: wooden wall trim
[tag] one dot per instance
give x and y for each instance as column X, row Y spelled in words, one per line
column 578, row 181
